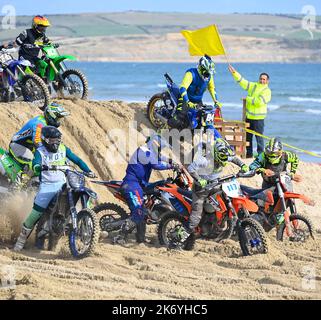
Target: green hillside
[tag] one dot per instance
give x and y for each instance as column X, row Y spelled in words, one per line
column 283, row 27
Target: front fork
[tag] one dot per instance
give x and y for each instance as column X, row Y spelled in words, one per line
column 288, row 227
column 73, row 211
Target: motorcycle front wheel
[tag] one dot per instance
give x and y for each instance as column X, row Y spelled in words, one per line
column 82, row 241
column 302, row 229
column 76, row 85
column 155, row 103
column 252, row 237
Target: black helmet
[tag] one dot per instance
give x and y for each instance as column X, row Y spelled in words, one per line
column 51, row 138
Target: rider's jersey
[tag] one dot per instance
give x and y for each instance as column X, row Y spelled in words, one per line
column 30, row 134
column 287, row 157
column 141, row 164
column 193, row 86
column 45, row 158
column 205, row 167
column 30, row 36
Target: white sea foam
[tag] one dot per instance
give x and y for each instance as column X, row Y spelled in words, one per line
column 304, row 99
column 313, row 111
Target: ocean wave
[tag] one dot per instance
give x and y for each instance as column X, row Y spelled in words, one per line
column 273, row 107
column 161, row 85
column 302, row 99
column 313, row 111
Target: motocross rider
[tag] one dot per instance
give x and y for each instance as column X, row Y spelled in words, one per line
column 143, row 161
column 205, row 167
column 275, row 160
column 29, row 38
column 24, row 143
column 192, row 89
column 51, row 153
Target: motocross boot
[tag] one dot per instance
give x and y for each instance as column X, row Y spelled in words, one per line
column 24, row 234
column 141, row 232
column 127, row 227
column 179, row 236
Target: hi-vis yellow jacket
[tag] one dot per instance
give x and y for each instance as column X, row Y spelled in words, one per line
column 259, row 95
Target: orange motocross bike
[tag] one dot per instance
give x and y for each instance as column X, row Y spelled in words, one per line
column 112, row 215
column 278, row 209
column 225, row 212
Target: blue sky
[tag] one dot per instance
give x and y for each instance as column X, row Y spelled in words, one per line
column 31, row 7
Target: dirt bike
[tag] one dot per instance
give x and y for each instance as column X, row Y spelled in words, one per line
column 62, row 216
column 18, row 82
column 225, row 211
column 112, row 215
column 162, row 106
column 11, row 172
column 67, row 83
column 279, row 209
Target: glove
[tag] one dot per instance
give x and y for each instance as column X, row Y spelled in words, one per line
column 56, row 45
column 191, row 105
column 202, row 182
column 176, row 166
column 91, row 174
column 44, row 168
column 245, row 168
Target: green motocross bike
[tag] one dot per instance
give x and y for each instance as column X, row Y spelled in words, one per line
column 67, row 83
column 10, row 169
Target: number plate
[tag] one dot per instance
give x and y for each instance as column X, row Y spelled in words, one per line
column 232, row 189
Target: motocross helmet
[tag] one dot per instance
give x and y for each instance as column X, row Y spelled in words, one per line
column 222, row 151
column 40, row 24
column 51, row 138
column 273, row 150
column 206, row 67
column 53, row 112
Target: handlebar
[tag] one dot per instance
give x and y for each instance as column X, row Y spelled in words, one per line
column 64, row 169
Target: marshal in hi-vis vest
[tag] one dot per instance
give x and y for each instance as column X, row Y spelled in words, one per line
column 259, row 95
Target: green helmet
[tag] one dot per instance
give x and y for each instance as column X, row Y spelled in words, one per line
column 273, row 150
column 222, row 151
column 53, row 112
column 206, row 67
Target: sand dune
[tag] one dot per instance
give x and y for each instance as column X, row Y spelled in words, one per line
column 211, row 271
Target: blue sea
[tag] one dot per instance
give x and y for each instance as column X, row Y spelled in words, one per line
column 294, row 112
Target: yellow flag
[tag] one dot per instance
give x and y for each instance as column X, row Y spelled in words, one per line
column 204, row 41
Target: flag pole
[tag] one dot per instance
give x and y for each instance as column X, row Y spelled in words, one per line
column 225, row 54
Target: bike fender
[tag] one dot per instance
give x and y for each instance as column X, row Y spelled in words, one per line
column 304, row 198
column 246, row 203
column 59, row 59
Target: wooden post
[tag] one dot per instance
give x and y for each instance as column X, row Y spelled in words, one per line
column 244, row 110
